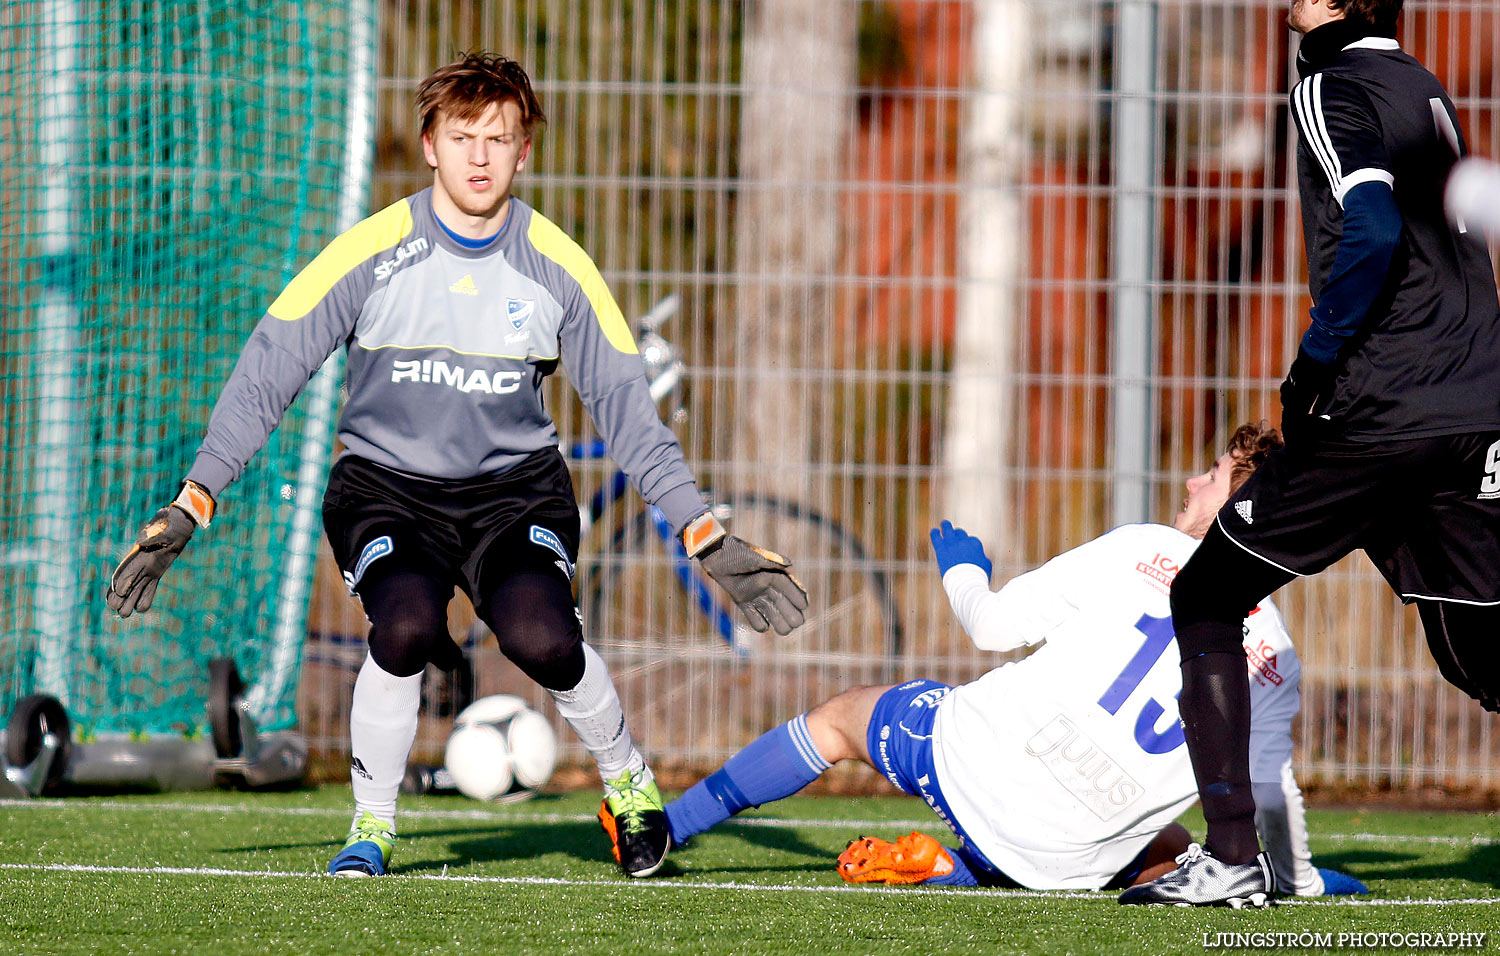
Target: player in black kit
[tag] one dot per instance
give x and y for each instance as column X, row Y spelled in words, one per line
column 1391, row 414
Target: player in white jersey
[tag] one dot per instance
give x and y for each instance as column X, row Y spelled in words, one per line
column 1064, row 770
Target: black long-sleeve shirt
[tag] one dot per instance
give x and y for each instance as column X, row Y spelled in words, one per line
column 1424, row 358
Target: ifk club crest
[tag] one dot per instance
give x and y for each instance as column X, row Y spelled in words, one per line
column 518, row 311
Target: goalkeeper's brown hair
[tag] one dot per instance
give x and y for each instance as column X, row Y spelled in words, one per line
column 466, row 88
column 1249, row 446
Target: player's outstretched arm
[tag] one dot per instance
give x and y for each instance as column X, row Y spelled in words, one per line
column 966, row 571
column 133, row 585
column 314, row 314
column 954, row 546
column 760, row 582
column 602, row 361
column 1019, row 614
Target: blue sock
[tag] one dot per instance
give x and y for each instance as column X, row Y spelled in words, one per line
column 774, row 765
column 961, row 875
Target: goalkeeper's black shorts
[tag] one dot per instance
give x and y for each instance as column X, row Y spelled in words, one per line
column 1426, row 511
column 472, row 531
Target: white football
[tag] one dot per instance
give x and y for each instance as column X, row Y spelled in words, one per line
column 500, row 749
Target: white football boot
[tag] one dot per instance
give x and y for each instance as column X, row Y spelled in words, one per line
column 1201, row 880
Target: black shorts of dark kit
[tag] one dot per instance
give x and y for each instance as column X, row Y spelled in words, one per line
column 1422, row 509
column 1426, row 511
column 493, row 536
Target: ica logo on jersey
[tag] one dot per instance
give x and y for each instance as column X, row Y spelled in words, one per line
column 1083, row 769
column 1262, row 659
column 456, row 377
column 1160, row 569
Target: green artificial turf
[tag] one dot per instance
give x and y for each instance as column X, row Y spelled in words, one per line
column 215, row 874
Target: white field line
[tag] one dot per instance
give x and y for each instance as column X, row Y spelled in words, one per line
column 511, row 816
column 1108, row 897
column 557, row 881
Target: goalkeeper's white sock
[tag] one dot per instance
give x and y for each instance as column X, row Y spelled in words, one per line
column 593, row 710
column 382, row 726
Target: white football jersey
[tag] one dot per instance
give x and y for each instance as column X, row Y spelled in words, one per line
column 1063, row 766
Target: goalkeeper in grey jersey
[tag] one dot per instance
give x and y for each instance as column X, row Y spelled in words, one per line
column 455, row 303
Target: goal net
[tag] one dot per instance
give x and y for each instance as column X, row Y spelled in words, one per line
column 167, row 167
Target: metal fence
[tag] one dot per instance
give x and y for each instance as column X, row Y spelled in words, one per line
column 1022, row 263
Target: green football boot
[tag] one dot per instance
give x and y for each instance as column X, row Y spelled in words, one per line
column 368, row 849
column 636, row 820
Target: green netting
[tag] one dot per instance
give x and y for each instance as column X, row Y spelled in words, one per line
column 167, row 166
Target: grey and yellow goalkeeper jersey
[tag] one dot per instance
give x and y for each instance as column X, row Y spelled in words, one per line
column 448, row 347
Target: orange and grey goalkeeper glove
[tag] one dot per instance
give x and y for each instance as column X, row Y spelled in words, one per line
column 760, row 582
column 133, row 585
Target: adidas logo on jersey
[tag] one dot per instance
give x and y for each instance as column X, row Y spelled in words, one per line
column 456, row 377
column 464, row 286
column 1242, row 508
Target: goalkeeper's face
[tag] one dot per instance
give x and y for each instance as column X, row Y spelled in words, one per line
column 474, row 161
column 1206, row 495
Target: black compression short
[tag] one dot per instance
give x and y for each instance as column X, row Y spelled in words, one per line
column 1426, row 510
column 474, row 531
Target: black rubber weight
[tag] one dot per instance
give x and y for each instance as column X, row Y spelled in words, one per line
column 224, row 691
column 33, row 718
